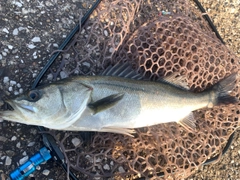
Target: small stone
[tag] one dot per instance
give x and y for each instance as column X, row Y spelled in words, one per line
column 16, row 93
column 105, row 32
column 50, row 77
column 5, row 30
column 31, row 144
column 111, row 50
column 10, row 47
column 14, row 52
column 18, row 145
column 5, row 79
column 98, row 160
column 4, row 53
column 10, row 89
column 13, row 138
column 121, row 170
column 87, row 156
column 6, row 50
column 36, row 39
column 76, row 141
column 23, row 160
column 24, row 153
column 18, row 4
column 3, row 157
column 55, row 45
column 13, row 83
column 31, row 46
column 15, row 32
column 8, row 161
column 18, row 85
column 83, row 31
column 21, row 28
column 106, row 167
column 46, row 172
column 3, row 139
column 10, row 153
column 63, row 75
column 86, row 64
column 20, row 90
column 66, row 56
column 34, row 75
column 0, row 57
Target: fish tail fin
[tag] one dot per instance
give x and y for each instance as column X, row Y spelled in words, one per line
column 223, row 90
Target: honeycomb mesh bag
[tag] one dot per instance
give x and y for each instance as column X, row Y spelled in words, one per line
column 158, row 38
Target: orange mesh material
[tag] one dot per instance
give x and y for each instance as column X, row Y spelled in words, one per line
column 157, row 45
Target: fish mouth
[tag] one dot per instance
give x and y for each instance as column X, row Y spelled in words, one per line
column 13, row 105
column 29, row 108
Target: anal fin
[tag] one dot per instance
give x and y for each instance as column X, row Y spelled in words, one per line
column 188, row 122
column 119, row 130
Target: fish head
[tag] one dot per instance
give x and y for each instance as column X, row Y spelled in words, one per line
column 54, row 106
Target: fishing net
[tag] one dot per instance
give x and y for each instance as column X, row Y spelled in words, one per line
column 158, row 38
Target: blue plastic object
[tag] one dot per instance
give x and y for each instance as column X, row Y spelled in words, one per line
column 30, row 166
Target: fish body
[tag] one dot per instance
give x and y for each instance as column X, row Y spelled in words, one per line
column 113, row 104
column 144, row 103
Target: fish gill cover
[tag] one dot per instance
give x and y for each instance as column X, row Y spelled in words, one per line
column 157, row 38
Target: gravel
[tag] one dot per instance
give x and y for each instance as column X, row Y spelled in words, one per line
column 31, row 30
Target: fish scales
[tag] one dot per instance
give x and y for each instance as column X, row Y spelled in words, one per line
column 144, row 103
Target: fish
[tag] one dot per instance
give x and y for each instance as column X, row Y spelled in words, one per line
column 117, row 101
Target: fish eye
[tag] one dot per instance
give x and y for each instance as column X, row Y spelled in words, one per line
column 34, row 95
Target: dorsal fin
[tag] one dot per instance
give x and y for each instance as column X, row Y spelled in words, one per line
column 176, row 80
column 121, row 70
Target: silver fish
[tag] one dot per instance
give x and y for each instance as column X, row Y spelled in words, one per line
column 116, row 101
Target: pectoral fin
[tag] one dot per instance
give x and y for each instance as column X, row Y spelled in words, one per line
column 105, row 103
column 119, row 130
column 188, row 122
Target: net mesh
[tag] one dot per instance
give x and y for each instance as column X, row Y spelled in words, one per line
column 158, row 38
